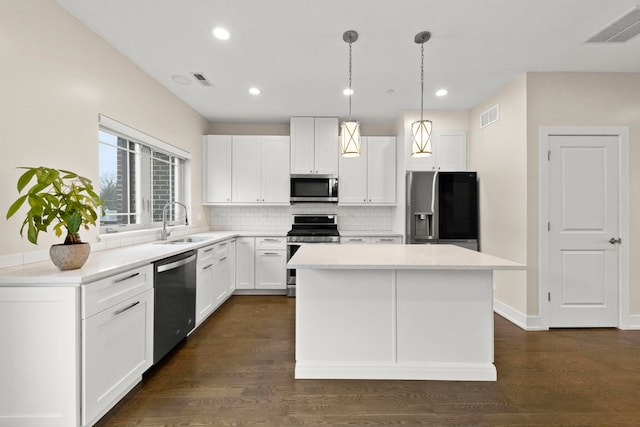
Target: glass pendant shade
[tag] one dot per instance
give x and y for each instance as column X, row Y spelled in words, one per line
column 421, row 133
column 350, row 139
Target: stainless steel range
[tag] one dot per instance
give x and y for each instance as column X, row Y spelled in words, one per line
column 309, row 229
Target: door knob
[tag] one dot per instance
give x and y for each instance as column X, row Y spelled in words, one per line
column 613, row 240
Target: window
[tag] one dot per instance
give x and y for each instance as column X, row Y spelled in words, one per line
column 139, row 175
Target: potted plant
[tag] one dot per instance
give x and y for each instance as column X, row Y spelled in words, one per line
column 64, row 199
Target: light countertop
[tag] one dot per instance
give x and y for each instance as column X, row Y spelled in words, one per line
column 392, row 257
column 113, row 261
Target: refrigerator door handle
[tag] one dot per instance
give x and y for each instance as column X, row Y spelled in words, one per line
column 433, row 192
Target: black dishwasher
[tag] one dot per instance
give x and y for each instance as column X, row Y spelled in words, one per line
column 175, row 301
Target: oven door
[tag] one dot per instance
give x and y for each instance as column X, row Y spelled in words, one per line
column 291, row 273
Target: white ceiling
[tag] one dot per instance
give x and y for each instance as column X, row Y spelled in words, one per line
column 293, row 50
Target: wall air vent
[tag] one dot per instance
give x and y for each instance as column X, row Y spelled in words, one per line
column 201, row 79
column 492, row 115
column 620, row 30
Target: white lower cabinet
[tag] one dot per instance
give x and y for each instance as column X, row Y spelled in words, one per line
column 221, row 274
column 212, row 280
column 40, row 376
column 231, row 282
column 271, row 269
column 204, row 283
column 245, row 263
column 117, row 349
column 261, row 263
column 117, row 341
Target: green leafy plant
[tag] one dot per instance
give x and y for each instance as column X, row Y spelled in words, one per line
column 58, row 197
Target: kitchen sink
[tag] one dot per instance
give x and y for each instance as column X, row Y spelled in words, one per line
column 184, row 240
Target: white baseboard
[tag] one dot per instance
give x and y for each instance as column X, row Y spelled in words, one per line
column 528, row 323
column 534, row 323
column 399, row 371
column 634, row 321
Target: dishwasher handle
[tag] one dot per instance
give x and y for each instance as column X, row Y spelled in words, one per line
column 166, row 267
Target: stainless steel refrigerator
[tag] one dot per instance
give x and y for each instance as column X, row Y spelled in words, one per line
column 442, row 207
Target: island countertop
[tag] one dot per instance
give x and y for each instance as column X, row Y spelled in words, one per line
column 395, row 257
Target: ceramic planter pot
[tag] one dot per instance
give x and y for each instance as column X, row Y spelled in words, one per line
column 69, row 257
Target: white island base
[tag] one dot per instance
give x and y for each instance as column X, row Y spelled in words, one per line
column 403, row 321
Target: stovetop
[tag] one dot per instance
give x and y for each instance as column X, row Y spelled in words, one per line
column 314, row 226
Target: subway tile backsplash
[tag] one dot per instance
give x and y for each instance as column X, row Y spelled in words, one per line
column 263, row 217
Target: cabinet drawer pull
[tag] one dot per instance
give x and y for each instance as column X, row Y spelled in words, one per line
column 208, row 250
column 223, row 244
column 355, row 240
column 122, row 310
column 386, row 239
column 270, row 253
column 271, row 240
column 222, row 259
column 208, row 266
column 122, row 279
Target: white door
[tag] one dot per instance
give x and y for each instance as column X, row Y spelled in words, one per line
column 584, row 272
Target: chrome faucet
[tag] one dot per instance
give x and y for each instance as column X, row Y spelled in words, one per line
column 164, row 234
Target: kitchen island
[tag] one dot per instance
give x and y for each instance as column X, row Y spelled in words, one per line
column 407, row 312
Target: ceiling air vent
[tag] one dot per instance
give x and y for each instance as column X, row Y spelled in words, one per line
column 620, row 30
column 492, row 115
column 201, row 79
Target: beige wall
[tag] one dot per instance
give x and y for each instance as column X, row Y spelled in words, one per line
column 224, row 128
column 585, row 99
column 498, row 153
column 56, row 77
column 506, row 156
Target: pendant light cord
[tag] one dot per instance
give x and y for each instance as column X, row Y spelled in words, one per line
column 350, row 91
column 421, row 81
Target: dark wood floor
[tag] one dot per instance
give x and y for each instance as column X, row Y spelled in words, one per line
column 237, row 369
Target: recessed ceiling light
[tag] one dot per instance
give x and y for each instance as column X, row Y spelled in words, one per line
column 442, row 92
column 347, row 92
column 221, row 33
column 254, row 91
column 178, row 78
column 390, row 91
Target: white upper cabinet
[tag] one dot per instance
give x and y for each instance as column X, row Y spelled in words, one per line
column 449, row 153
column 246, row 181
column 275, row 171
column 371, row 177
column 217, row 168
column 246, row 169
column 314, row 145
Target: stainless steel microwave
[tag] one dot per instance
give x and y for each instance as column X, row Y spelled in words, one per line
column 314, row 188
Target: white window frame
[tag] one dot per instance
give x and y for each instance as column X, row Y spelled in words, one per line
column 110, row 125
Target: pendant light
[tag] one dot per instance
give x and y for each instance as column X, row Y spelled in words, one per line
column 350, row 130
column 421, row 130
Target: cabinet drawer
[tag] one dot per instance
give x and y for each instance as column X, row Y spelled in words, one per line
column 207, row 254
column 355, row 240
column 271, row 243
column 386, row 240
column 221, row 250
column 105, row 293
